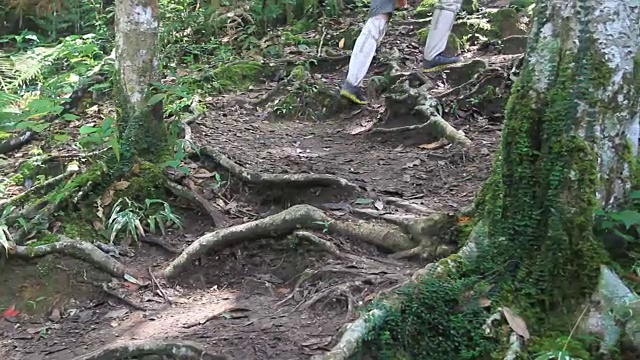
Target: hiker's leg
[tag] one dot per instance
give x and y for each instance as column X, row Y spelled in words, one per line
column 441, row 25
column 365, row 47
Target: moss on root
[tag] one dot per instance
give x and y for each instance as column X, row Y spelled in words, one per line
column 451, row 313
column 238, row 75
column 146, row 181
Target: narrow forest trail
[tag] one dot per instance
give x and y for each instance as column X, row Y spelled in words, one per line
column 243, row 301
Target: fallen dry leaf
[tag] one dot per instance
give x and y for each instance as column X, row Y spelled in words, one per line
column 107, row 197
column 341, row 43
column 362, row 127
column 516, row 322
column 484, row 302
column 203, row 174
column 121, row 185
column 434, row 145
column 98, row 225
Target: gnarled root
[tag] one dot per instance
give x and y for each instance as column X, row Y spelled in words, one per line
column 182, row 191
column 419, row 100
column 77, row 249
column 389, row 237
column 179, row 350
column 355, row 332
column 254, row 177
column 280, row 224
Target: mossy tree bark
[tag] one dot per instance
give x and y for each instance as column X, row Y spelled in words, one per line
column 141, row 124
column 569, row 146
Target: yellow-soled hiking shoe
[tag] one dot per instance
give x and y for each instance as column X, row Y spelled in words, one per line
column 439, row 62
column 353, row 93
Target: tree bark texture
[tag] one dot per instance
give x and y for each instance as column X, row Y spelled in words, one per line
column 136, row 50
column 569, row 146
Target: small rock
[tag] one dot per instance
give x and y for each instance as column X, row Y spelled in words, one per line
column 55, row 315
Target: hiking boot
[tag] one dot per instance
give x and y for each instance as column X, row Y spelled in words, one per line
column 353, row 93
column 439, row 62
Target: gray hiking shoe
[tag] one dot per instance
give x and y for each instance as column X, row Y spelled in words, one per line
column 439, row 62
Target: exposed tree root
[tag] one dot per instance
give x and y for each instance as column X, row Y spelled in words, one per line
column 75, row 248
column 409, row 206
column 476, row 81
column 324, row 244
column 419, row 99
column 185, row 350
column 16, row 142
column 253, row 177
column 329, row 294
column 182, row 191
column 122, row 298
column 367, row 274
column 355, row 332
column 611, row 294
column 280, row 224
column 388, row 237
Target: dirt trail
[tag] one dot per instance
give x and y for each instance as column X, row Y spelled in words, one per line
column 237, row 293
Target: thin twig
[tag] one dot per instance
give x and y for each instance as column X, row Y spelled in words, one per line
column 160, row 289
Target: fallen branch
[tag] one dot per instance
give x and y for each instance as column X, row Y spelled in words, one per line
column 133, row 349
column 81, row 250
column 254, row 177
column 160, row 289
column 43, row 186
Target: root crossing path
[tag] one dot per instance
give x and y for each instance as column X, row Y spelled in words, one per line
column 369, row 177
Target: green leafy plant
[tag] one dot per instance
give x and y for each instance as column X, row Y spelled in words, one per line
column 96, row 136
column 5, row 234
column 217, row 183
column 128, row 216
column 34, row 303
column 624, row 223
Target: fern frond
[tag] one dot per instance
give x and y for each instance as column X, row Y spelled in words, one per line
column 19, row 69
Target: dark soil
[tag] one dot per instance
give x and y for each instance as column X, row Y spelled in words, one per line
column 245, row 283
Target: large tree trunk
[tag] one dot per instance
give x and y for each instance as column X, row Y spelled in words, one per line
column 569, row 146
column 141, row 123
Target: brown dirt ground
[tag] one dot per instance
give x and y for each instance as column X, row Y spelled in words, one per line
column 244, row 283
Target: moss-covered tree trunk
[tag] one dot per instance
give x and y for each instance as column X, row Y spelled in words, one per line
column 569, row 146
column 141, row 122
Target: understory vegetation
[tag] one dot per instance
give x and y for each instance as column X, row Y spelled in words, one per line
column 67, row 175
